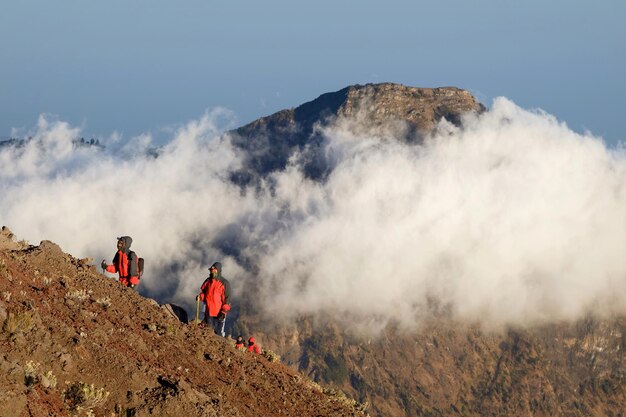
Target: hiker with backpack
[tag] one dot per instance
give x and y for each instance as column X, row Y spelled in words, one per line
column 215, row 292
column 125, row 263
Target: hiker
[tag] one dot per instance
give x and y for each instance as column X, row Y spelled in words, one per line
column 125, row 263
column 215, row 292
column 253, row 347
column 239, row 343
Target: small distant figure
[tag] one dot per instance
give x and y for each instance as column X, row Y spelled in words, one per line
column 215, row 292
column 239, row 343
column 253, row 347
column 125, row 263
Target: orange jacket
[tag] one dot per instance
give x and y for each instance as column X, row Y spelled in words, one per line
column 253, row 347
column 215, row 292
column 126, row 264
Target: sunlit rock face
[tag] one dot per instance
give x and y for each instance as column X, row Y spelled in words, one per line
column 388, row 110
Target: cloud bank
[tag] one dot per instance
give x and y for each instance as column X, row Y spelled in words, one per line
column 513, row 219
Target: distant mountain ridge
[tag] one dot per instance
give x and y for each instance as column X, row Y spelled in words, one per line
column 19, row 143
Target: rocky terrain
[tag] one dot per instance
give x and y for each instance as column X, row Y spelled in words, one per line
column 453, row 369
column 76, row 343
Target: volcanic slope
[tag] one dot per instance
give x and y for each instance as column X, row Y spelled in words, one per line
column 74, row 342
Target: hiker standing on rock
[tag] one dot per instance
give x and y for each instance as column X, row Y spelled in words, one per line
column 215, row 292
column 125, row 263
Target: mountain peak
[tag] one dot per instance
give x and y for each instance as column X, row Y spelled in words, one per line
column 406, row 113
column 420, row 107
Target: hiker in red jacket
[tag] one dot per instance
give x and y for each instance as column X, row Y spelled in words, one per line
column 125, row 263
column 215, row 292
column 253, row 347
column 239, row 343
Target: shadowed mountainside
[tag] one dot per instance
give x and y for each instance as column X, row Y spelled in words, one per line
column 453, row 369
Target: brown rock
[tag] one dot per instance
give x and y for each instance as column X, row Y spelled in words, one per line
column 386, row 110
column 109, row 353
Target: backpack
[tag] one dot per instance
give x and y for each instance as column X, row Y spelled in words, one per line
column 140, row 266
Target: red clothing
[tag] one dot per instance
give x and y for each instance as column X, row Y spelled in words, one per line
column 215, row 293
column 121, row 265
column 253, row 347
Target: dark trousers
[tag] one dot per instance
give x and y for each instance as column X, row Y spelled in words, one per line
column 216, row 324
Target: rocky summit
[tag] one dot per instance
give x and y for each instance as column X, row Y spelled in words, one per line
column 387, row 109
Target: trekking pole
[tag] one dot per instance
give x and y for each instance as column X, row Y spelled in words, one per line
column 197, row 308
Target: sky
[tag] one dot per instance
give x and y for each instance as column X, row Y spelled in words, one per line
column 516, row 218
column 149, row 67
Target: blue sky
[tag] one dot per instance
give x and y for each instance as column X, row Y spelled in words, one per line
column 148, row 66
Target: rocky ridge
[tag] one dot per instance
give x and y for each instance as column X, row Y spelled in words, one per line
column 76, row 343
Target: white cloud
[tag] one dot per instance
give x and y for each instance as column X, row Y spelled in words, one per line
column 513, row 219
